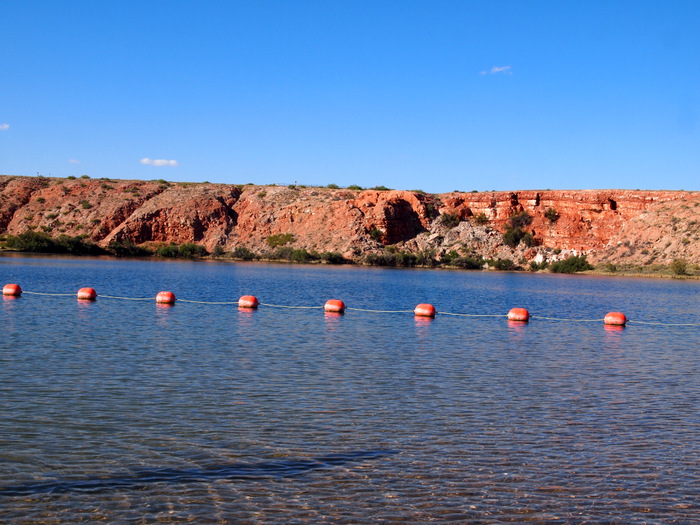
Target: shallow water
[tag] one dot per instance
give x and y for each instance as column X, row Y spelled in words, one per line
column 129, row 412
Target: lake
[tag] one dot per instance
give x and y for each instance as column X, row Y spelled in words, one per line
column 126, row 411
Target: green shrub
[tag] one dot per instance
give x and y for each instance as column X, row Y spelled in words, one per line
column 528, row 240
column 31, row 241
column 538, row 266
column 168, row 250
column 71, row 177
column 333, row 258
column 512, row 237
column 38, row 242
column 355, row 187
column 382, row 259
column 431, row 211
column 610, row 267
column 481, row 219
column 449, row 257
column 243, row 253
column 515, row 234
column 679, row 266
column 503, row 265
column 573, row 264
column 405, row 259
column 279, row 239
column 128, row 249
column 402, row 259
column 426, row 258
column 520, row 220
column 376, row 234
column 332, row 186
column 301, row 256
column 468, row 263
column 41, row 200
column 77, row 245
column 190, row 250
column 85, row 204
column 218, row 251
column 450, row 220
column 381, row 188
column 283, row 253
column 551, row 215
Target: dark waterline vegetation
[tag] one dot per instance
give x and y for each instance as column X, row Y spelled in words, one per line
column 281, row 251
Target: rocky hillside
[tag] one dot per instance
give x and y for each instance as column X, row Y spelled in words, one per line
column 615, row 226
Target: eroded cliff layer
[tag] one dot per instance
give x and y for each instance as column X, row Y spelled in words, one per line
column 637, row 227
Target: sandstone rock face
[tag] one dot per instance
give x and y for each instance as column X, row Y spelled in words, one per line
column 619, row 226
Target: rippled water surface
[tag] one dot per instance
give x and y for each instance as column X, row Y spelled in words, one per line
column 127, row 412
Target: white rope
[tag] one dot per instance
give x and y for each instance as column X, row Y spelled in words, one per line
column 368, row 310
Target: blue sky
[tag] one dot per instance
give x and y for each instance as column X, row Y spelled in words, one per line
column 433, row 95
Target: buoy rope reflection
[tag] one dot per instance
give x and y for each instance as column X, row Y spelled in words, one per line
column 661, row 324
column 473, row 315
column 292, row 307
column 563, row 319
column 380, row 311
column 203, row 302
column 126, row 298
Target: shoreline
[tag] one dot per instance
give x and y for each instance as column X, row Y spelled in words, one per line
column 660, row 273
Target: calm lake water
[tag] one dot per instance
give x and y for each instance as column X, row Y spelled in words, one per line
column 127, row 412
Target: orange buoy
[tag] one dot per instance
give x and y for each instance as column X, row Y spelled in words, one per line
column 165, row 298
column 12, row 289
column 519, row 314
column 615, row 319
column 334, row 305
column 87, row 294
column 248, row 301
column 425, row 310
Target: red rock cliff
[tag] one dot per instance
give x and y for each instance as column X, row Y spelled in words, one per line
column 640, row 227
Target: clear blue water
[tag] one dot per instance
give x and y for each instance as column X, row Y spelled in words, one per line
column 127, row 412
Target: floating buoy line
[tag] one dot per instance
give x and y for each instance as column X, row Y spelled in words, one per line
column 336, row 306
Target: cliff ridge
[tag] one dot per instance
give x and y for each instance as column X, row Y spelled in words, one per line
column 616, row 226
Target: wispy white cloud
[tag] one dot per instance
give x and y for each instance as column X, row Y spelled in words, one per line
column 158, row 162
column 506, row 70
column 74, row 161
column 3, row 127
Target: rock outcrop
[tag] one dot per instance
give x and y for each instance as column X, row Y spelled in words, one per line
column 617, row 226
